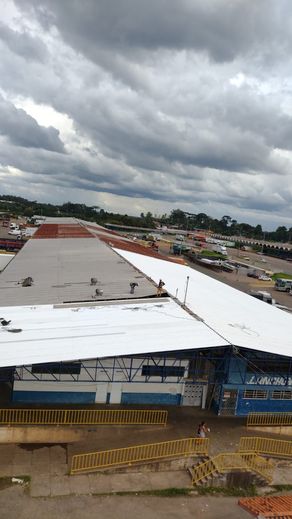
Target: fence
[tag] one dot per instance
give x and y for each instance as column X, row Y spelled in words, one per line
column 226, row 462
column 139, row 453
column 82, row 417
column 281, row 448
column 263, row 419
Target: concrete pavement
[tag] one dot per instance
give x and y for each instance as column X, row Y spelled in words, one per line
column 94, row 484
column 48, row 470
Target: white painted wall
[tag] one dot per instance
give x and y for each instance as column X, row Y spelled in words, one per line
column 116, row 393
column 104, row 372
column 101, row 393
column 22, row 385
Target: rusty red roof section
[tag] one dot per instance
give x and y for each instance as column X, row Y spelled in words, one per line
column 136, row 247
column 112, row 238
column 102, row 229
column 54, row 230
column 272, row 507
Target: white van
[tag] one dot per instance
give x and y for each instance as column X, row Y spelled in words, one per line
column 283, row 285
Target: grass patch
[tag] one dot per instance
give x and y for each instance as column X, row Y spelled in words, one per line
column 6, row 482
column 249, row 491
column 280, row 488
column 281, row 275
column 205, row 253
column 26, row 479
column 166, row 492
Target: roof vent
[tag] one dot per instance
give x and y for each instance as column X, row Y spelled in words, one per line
column 93, row 281
column 4, row 322
column 27, row 282
column 98, row 292
column 133, row 285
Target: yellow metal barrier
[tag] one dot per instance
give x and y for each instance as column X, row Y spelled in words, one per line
column 226, row 462
column 269, row 446
column 254, row 419
column 82, row 417
column 138, row 453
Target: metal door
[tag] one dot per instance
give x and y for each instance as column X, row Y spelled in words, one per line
column 229, row 402
column 193, row 394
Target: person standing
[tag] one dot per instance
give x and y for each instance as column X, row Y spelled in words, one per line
column 160, row 288
column 202, row 430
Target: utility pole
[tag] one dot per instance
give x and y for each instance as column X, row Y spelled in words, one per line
column 264, row 238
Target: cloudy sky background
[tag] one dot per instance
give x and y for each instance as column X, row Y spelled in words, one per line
column 137, row 106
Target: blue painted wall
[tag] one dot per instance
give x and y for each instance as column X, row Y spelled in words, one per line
column 245, row 406
column 53, row 397
column 257, row 405
column 151, row 398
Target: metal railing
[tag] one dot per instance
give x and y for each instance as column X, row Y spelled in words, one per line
column 269, row 446
column 126, row 456
column 82, row 417
column 229, row 461
column 273, row 419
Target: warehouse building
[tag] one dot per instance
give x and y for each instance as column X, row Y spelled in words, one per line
column 83, row 324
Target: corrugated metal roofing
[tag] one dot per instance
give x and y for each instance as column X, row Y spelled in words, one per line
column 241, row 319
column 52, row 230
column 270, row 507
column 62, row 334
column 62, row 270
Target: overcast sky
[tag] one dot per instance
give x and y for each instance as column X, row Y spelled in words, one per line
column 138, row 105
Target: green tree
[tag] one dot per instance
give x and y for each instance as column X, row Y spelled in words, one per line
column 178, row 217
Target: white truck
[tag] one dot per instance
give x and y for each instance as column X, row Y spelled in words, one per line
column 220, row 248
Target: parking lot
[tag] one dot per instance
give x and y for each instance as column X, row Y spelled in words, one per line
column 239, row 279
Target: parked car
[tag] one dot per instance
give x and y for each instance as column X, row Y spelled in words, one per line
column 264, row 277
column 15, row 232
column 263, row 296
column 252, row 274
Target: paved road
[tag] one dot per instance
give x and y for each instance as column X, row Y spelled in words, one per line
column 15, row 502
column 240, row 281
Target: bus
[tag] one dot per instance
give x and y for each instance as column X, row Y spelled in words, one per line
column 283, row 285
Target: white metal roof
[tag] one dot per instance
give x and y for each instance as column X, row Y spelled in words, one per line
column 51, row 334
column 241, row 319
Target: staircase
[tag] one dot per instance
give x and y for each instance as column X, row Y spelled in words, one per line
column 208, row 468
column 203, row 471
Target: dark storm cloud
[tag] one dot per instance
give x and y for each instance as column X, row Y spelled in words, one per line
column 224, row 29
column 183, row 101
column 23, row 130
column 22, row 43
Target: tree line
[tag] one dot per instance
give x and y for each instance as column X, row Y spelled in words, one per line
column 183, row 220
column 227, row 226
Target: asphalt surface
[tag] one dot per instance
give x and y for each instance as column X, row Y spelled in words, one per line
column 240, row 280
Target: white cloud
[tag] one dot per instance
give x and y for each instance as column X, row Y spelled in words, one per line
column 191, row 110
